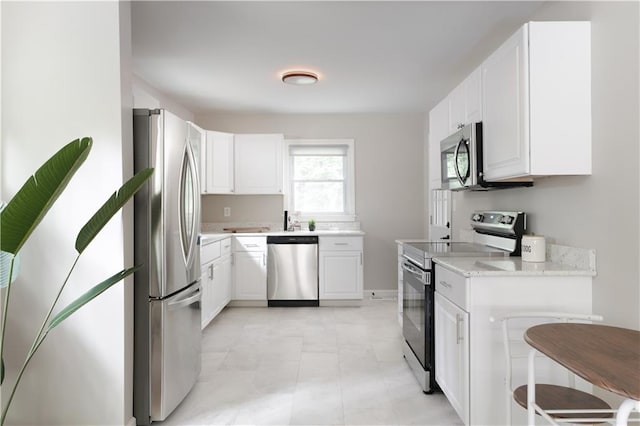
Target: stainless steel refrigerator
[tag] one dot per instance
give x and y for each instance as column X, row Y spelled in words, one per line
column 167, row 292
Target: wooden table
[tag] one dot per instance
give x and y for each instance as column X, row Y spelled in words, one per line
column 606, row 356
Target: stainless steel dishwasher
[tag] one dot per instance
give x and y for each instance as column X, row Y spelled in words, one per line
column 292, row 270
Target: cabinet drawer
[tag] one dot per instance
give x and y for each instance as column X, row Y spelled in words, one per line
column 452, row 286
column 209, row 252
column 340, row 243
column 225, row 247
column 249, row 243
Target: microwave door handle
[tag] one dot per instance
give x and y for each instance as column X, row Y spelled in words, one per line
column 455, row 162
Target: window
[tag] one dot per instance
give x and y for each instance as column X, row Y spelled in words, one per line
column 321, row 184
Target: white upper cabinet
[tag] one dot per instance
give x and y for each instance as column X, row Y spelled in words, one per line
column 473, row 96
column 258, row 163
column 438, row 130
column 457, row 109
column 536, row 103
column 218, row 164
column 465, row 102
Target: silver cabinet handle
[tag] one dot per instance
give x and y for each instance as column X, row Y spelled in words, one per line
column 264, row 259
column 459, row 320
column 211, row 271
column 445, row 284
column 340, row 244
column 251, row 245
column 360, row 258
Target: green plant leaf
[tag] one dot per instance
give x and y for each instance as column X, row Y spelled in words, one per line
column 110, row 208
column 89, row 296
column 32, row 202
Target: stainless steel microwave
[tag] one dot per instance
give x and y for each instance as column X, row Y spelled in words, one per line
column 459, row 154
column 461, row 160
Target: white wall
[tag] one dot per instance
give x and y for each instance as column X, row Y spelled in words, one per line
column 389, row 174
column 147, row 96
column 600, row 211
column 61, row 79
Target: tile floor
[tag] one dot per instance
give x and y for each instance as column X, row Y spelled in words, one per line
column 308, row 366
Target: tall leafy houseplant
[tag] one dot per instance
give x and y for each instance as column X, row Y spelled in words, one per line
column 25, row 211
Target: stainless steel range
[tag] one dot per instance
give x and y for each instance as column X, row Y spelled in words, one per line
column 497, row 233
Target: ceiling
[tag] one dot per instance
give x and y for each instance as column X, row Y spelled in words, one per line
column 381, row 56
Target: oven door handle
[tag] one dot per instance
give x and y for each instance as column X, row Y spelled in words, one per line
column 406, row 266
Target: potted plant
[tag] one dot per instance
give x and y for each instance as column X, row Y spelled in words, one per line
column 312, row 225
column 20, row 217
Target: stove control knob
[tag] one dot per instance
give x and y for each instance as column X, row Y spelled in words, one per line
column 507, row 220
column 476, row 217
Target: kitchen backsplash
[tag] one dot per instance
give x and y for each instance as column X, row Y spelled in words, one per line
column 242, row 208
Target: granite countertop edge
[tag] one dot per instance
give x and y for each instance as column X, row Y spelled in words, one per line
column 216, row 236
column 482, row 267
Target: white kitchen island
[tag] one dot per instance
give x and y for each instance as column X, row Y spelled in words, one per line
column 470, row 292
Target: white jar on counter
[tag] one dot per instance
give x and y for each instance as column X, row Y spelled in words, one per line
column 533, row 248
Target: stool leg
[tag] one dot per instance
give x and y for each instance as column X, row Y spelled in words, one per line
column 531, row 389
column 625, row 410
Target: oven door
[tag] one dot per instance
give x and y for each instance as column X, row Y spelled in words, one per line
column 417, row 311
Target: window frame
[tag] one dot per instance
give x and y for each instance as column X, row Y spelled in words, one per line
column 349, row 215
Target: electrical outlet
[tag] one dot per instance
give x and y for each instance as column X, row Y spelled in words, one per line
column 227, row 211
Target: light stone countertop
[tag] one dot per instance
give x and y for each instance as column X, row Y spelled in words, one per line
column 561, row 261
column 511, row 266
column 208, row 237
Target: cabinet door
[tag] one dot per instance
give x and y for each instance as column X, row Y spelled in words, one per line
column 438, row 130
column 207, row 294
column 219, row 287
column 250, row 273
column 225, row 280
column 505, row 109
column 452, row 354
column 473, row 97
column 219, row 163
column 457, row 108
column 258, row 164
column 340, row 275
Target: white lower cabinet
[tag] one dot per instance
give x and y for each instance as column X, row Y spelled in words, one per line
column 216, row 278
column 340, row 268
column 469, row 352
column 452, row 351
column 206, row 282
column 250, row 268
column 221, row 283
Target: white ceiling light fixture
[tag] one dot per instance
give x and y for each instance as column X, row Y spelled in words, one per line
column 299, row 78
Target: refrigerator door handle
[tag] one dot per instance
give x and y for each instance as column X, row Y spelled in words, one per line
column 184, row 302
column 190, row 206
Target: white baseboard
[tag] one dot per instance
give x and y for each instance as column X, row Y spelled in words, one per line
column 248, row 303
column 381, row 294
column 131, row 422
column 345, row 302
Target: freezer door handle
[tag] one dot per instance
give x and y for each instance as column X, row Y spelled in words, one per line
column 181, row 303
